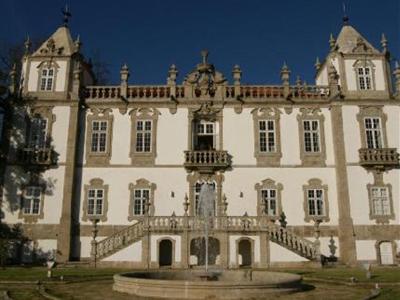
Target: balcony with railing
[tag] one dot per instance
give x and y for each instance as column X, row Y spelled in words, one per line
column 380, row 158
column 207, row 160
column 40, row 157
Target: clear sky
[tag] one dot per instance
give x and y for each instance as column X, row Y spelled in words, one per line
column 256, row 34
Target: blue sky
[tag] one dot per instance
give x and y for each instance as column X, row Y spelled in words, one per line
column 256, row 34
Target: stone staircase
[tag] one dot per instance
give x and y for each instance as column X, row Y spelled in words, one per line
column 118, row 240
column 277, row 234
column 294, row 243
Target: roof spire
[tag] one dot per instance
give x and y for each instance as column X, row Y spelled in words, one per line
column 332, row 42
column 317, row 64
column 67, row 14
column 27, row 45
column 384, row 43
column 345, row 17
column 204, row 55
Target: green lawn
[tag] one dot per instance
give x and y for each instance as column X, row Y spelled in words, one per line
column 96, row 284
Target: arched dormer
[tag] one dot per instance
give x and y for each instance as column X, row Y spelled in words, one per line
column 364, row 71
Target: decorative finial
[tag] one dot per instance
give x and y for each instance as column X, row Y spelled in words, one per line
column 172, row 75
column 284, row 67
column 237, row 74
column 298, row 80
column 27, row 45
column 332, row 42
column 78, row 43
column 396, row 65
column 67, row 14
column 345, row 17
column 204, row 54
column 384, row 43
column 317, row 64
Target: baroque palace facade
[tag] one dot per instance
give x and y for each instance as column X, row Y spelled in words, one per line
column 302, row 173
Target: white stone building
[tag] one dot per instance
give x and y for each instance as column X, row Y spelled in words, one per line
column 125, row 163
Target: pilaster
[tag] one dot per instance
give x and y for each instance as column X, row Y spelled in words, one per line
column 264, row 250
column 64, row 238
column 345, row 225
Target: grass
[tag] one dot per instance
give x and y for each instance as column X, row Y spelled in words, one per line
column 96, row 284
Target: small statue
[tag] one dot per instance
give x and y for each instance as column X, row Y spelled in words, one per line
column 282, row 220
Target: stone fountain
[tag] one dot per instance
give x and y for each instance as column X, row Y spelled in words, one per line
column 206, row 284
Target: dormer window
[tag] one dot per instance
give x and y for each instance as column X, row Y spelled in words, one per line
column 365, row 73
column 47, row 79
column 364, row 78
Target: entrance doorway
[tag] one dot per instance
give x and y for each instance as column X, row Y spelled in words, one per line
column 246, row 252
column 198, row 248
column 165, row 253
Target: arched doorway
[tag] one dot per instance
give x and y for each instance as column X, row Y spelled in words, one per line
column 165, row 253
column 246, row 252
column 198, row 248
column 386, row 253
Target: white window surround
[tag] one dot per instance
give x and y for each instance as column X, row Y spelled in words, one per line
column 316, row 204
column 365, row 75
column 269, row 197
column 140, row 199
column 95, row 202
column 47, row 76
column 267, row 135
column 311, row 135
column 315, row 200
column 99, row 136
column 31, row 200
column 373, row 132
column 144, row 135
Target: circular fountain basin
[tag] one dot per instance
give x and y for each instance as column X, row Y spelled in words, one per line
column 227, row 284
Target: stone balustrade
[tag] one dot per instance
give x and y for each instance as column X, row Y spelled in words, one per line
column 249, row 92
column 103, row 92
column 384, row 158
column 207, row 159
column 293, row 242
column 37, row 156
column 229, row 224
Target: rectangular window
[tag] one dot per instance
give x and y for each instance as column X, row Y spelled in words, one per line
column 315, row 200
column 31, row 200
column 99, row 136
column 270, row 201
column 373, row 132
column 364, row 78
column 38, row 132
column 95, row 202
column 267, row 135
column 143, row 136
column 141, row 197
column 47, row 78
column 380, row 201
column 311, row 136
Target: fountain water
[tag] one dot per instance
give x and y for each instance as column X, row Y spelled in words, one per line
column 205, row 211
column 190, row 284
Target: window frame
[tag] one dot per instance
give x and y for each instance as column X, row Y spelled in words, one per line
column 99, row 158
column 372, row 112
column 43, row 134
column 47, row 65
column 141, row 184
column 315, row 184
column 364, row 64
column 29, row 217
column 269, row 184
column 143, row 158
column 95, row 184
column 267, row 158
column 312, row 159
column 379, row 183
